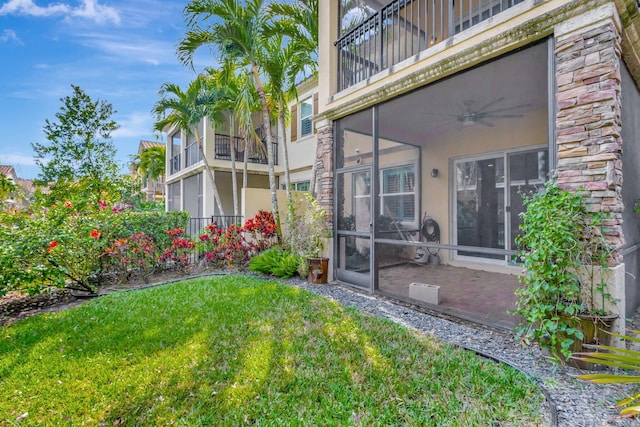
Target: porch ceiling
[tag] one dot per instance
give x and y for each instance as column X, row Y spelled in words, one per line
column 518, row 79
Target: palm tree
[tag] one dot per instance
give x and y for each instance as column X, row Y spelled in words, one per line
column 298, row 19
column 281, row 63
column 186, row 109
column 152, row 164
column 235, row 101
column 236, row 28
column 298, row 59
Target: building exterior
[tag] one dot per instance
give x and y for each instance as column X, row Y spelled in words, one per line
column 190, row 189
column 446, row 111
column 23, row 193
column 152, row 188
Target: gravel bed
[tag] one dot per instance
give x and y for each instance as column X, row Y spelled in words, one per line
column 575, row 402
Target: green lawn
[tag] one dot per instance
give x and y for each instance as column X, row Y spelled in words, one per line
column 237, row 351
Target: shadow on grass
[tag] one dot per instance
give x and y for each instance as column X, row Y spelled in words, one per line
column 236, row 350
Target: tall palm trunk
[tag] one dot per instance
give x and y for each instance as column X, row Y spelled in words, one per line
column 270, row 156
column 245, row 168
column 285, row 152
column 234, row 178
column 216, row 196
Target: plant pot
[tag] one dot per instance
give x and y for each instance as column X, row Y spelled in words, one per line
column 595, row 329
column 318, row 269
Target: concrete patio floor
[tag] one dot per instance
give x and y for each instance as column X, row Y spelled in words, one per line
column 475, row 295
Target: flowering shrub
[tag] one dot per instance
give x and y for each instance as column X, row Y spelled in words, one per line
column 179, row 253
column 64, row 245
column 226, row 247
column 134, row 255
column 263, row 230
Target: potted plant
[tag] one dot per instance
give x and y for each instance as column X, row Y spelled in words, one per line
column 562, row 303
column 307, row 231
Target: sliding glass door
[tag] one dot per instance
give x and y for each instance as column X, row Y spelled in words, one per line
column 485, row 215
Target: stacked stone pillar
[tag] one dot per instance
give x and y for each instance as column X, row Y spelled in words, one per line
column 324, row 159
column 588, row 125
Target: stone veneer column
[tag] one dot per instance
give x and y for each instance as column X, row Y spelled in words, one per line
column 324, row 159
column 588, row 124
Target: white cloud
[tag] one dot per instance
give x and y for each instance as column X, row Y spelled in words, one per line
column 17, row 159
column 88, row 9
column 133, row 48
column 29, row 8
column 93, row 11
column 8, row 35
column 135, row 125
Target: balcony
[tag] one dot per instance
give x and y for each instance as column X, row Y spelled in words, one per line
column 192, row 154
column 404, row 28
column 223, row 150
column 175, row 164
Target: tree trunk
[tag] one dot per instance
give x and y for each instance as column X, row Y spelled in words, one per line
column 285, row 153
column 270, row 156
column 216, row 196
column 234, row 179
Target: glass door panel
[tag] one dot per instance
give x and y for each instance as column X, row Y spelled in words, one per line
column 353, row 191
column 480, row 205
column 528, row 172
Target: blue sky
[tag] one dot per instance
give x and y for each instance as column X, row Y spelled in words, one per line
column 119, row 51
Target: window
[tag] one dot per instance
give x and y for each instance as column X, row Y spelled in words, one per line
column 397, row 193
column 299, row 186
column 173, row 197
column 174, row 145
column 306, row 112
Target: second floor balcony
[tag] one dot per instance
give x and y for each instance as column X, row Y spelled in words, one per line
column 223, row 150
column 376, row 37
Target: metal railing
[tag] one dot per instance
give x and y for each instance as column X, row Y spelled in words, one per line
column 192, row 154
column 175, row 164
column 223, row 150
column 404, row 28
column 196, row 226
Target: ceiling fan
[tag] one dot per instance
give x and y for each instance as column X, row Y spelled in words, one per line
column 470, row 115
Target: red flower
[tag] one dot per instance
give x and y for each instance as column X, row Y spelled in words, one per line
column 95, row 234
column 52, row 245
column 68, row 204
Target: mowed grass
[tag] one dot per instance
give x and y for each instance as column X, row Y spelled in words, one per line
column 234, row 350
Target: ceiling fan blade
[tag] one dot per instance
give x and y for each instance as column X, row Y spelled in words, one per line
column 495, row 101
column 507, row 108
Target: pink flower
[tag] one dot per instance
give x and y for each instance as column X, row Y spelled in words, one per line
column 68, row 204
